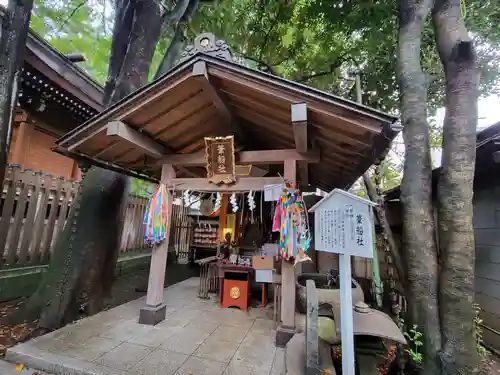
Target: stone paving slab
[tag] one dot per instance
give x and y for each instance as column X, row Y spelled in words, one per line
column 196, row 338
column 7, row 368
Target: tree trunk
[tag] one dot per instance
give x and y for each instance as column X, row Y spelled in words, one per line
column 455, row 189
column 143, row 38
column 81, row 250
column 84, row 274
column 84, row 259
column 124, row 16
column 182, row 14
column 12, row 44
column 416, row 195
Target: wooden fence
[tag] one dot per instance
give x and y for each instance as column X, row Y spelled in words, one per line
column 181, row 232
column 34, row 207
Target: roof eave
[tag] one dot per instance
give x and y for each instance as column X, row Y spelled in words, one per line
column 97, row 120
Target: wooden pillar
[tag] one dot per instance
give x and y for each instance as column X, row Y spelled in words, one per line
column 286, row 330
column 76, row 173
column 155, row 310
column 224, row 202
column 20, row 147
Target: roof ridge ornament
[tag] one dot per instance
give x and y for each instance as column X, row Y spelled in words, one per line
column 208, row 44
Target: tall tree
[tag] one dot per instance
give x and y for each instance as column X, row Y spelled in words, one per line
column 416, row 188
column 440, row 274
column 15, row 21
column 455, row 190
column 84, row 258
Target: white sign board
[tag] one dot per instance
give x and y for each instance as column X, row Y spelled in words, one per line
column 343, row 224
column 273, row 192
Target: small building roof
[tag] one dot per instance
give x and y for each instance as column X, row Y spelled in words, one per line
column 54, row 89
column 344, row 193
column 209, row 96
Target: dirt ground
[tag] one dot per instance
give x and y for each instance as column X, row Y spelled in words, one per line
column 126, row 288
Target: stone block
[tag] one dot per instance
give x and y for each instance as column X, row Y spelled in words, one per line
column 150, row 315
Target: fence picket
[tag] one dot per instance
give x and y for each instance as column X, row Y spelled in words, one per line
column 27, row 235
column 35, row 210
column 54, row 207
column 8, row 209
column 13, row 243
column 39, row 222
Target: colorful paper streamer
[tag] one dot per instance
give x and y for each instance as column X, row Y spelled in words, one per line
column 156, row 216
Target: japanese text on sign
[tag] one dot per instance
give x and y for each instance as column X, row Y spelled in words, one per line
column 344, row 225
column 220, row 159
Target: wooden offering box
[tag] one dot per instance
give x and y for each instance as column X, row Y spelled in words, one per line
column 235, row 286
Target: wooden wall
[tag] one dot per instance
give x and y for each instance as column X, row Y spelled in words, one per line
column 31, row 148
column 486, row 221
column 487, row 282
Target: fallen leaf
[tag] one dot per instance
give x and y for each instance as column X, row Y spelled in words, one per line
column 19, row 367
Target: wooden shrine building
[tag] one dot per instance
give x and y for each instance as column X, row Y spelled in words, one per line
column 306, row 136
column 55, row 96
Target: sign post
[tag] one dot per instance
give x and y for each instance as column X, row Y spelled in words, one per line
column 343, row 225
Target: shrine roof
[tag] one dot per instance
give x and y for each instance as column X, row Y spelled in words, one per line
column 208, row 96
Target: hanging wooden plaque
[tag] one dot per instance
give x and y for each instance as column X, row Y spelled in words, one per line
column 219, row 154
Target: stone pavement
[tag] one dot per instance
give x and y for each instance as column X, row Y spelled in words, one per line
column 197, row 338
column 10, row 369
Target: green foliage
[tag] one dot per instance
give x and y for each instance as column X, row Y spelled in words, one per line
column 390, row 173
column 319, row 43
column 329, row 40
column 77, row 26
column 415, row 344
column 141, row 188
column 477, row 332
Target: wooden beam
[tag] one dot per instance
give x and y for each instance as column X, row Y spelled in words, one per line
column 201, row 74
column 132, row 136
column 242, row 184
column 361, row 119
column 288, row 276
column 290, row 171
column 277, row 156
column 245, row 157
column 299, row 123
column 303, row 174
column 279, row 114
column 136, row 138
column 78, row 136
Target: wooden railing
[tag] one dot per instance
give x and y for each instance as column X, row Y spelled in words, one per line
column 34, row 207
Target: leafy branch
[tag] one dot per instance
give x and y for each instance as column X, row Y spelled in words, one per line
column 269, row 31
column 72, row 13
column 415, row 338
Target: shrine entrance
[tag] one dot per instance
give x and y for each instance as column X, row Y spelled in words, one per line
column 279, row 130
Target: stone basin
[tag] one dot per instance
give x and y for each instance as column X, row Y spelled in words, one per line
column 325, row 293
